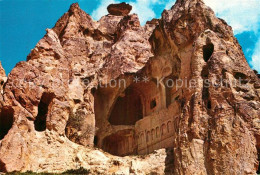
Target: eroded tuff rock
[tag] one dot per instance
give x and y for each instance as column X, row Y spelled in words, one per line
column 67, row 99
column 3, row 78
column 121, row 9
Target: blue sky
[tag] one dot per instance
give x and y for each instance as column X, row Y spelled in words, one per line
column 23, row 22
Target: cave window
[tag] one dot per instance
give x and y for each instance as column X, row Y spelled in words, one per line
column 2, row 167
column 76, row 101
column 153, row 104
column 148, row 136
column 157, row 132
column 128, row 109
column 40, row 121
column 239, row 75
column 208, row 51
column 95, row 140
column 163, row 129
column 142, row 138
column 6, row 121
column 152, row 134
column 242, row 78
column 209, row 105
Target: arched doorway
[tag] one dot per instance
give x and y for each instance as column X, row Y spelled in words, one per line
column 128, row 108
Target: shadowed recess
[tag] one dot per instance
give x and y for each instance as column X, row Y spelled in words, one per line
column 208, row 51
column 43, row 107
column 128, row 108
column 6, row 121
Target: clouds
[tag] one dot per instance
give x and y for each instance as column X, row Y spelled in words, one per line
column 242, row 15
column 144, row 8
column 169, row 4
column 256, row 57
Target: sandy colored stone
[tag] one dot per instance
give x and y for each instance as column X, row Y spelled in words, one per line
column 121, row 9
column 59, row 111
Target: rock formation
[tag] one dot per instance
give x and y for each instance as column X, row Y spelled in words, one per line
column 3, row 79
column 121, row 9
column 179, row 85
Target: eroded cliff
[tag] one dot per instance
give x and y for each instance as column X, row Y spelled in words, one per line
column 179, row 85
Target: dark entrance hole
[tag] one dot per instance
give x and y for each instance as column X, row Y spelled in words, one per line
column 95, row 140
column 120, row 143
column 153, row 104
column 2, row 167
column 127, row 109
column 208, row 51
column 242, row 78
column 6, row 121
column 239, row 75
column 209, row 104
column 40, row 122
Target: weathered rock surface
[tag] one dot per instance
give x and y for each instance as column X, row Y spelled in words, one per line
column 67, row 99
column 3, row 79
column 121, row 9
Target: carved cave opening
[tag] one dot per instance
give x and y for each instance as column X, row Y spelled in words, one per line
column 40, row 121
column 209, row 104
column 123, row 115
column 120, row 143
column 241, row 77
column 208, row 51
column 2, row 167
column 6, row 121
column 128, row 108
column 153, row 104
column 95, row 140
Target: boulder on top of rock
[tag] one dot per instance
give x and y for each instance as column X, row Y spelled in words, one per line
column 121, row 9
column 153, row 21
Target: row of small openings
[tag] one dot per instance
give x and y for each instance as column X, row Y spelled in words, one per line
column 157, row 130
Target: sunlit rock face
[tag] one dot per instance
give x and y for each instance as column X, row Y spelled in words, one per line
column 175, row 96
column 121, row 9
